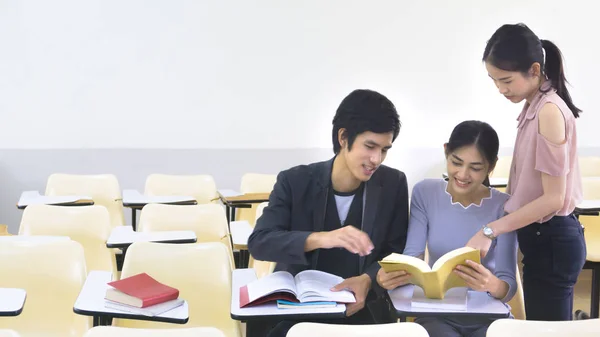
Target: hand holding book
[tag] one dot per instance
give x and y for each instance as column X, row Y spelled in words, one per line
column 359, row 286
column 393, row 279
column 479, row 278
column 435, row 280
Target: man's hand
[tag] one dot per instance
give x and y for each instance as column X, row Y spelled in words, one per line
column 348, row 237
column 392, row 280
column 360, row 286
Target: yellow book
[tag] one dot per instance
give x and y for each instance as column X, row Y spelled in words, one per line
column 434, row 281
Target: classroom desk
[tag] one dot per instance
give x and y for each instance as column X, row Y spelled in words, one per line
column 240, row 231
column 592, row 208
column 498, row 182
column 12, row 301
column 479, row 304
column 135, row 200
column 34, row 238
column 232, row 200
column 268, row 312
column 588, row 207
column 124, row 236
column 90, row 302
column 35, row 198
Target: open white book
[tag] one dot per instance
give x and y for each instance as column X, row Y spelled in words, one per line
column 306, row 286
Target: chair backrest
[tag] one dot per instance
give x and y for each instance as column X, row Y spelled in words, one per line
column 52, row 273
column 104, row 189
column 201, row 272
column 591, row 188
column 4, row 230
column 257, row 183
column 517, row 303
column 88, row 225
column 201, row 187
column 502, row 169
column 110, row 331
column 405, row 329
column 591, row 224
column 254, row 183
column 262, row 268
column 589, row 166
column 522, row 328
column 260, row 208
column 208, row 221
column 8, row 333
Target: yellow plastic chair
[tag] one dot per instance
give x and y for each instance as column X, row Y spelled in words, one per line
column 589, row 166
column 521, row 328
column 591, row 223
column 4, row 230
column 201, row 272
column 88, row 225
column 405, row 329
column 104, row 189
column 201, row 187
column 8, row 333
column 208, row 221
column 502, row 169
column 109, row 331
column 254, row 183
column 262, row 268
column 52, row 274
column 517, row 303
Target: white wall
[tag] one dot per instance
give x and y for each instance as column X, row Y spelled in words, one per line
column 264, row 73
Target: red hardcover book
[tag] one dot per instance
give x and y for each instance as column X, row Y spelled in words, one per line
column 140, row 291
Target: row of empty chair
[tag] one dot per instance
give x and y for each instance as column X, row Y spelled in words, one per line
column 106, row 191
column 53, row 273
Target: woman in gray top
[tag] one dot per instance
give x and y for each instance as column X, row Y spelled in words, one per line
column 444, row 215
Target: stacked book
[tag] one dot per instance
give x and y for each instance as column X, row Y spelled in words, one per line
column 143, row 295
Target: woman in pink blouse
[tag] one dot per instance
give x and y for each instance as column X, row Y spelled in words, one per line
column 544, row 181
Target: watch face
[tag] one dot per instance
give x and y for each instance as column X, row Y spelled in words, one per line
column 487, row 231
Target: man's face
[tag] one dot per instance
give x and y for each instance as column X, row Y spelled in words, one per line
column 368, row 152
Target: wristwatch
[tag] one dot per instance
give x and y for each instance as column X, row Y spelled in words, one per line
column 488, row 232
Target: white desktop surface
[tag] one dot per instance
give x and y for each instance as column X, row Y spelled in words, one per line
column 134, row 197
column 91, row 301
column 122, row 236
column 240, row 231
column 478, row 304
column 11, row 301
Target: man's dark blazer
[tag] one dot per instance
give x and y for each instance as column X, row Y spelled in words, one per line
column 297, row 208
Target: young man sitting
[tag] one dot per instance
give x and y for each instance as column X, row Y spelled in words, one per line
column 343, row 215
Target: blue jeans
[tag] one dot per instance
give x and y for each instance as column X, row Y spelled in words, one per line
column 553, row 255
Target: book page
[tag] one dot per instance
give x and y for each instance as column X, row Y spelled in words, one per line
column 280, row 281
column 418, row 269
column 445, row 265
column 314, row 285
